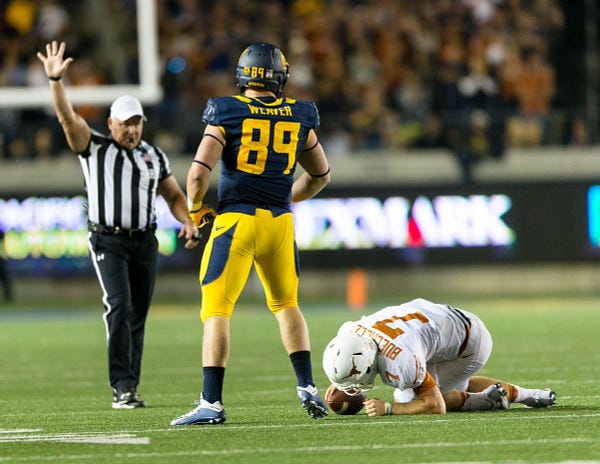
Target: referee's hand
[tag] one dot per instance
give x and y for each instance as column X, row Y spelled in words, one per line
column 54, row 63
column 190, row 233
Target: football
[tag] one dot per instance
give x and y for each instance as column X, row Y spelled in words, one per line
column 342, row 403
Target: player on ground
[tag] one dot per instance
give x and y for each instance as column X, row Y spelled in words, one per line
column 259, row 137
column 429, row 353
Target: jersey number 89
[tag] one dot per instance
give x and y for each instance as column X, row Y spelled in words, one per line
column 261, row 136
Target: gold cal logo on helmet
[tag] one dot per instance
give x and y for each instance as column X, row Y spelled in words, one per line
column 256, row 72
column 283, row 60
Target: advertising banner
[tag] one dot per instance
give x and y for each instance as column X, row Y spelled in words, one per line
column 367, row 226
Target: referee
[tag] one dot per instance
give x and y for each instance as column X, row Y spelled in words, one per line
column 123, row 175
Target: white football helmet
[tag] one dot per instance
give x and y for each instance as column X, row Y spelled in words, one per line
column 350, row 363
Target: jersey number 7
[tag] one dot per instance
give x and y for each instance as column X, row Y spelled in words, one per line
column 394, row 332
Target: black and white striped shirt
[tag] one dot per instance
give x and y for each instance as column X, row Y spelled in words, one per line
column 121, row 183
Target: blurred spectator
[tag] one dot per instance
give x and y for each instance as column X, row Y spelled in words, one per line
column 431, row 135
column 20, row 15
column 17, row 150
column 433, row 61
column 508, row 73
column 372, row 123
column 450, row 65
column 84, row 73
column 52, row 20
column 477, row 89
column 43, row 144
column 477, row 140
column 579, row 134
column 534, row 92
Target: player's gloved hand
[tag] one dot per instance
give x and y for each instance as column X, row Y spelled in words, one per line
column 203, row 216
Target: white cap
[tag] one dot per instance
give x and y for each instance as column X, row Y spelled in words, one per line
column 126, row 107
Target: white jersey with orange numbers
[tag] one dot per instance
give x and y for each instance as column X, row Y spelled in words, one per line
column 411, row 335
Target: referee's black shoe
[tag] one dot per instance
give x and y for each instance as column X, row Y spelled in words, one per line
column 128, row 399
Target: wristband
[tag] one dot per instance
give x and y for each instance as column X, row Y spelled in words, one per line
column 55, row 78
column 388, row 409
column 193, row 206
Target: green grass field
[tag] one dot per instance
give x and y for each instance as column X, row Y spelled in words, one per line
column 55, row 402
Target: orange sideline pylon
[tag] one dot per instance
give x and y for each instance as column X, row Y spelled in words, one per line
column 357, row 289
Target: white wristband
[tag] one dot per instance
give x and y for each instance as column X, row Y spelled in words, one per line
column 388, row 409
column 193, row 206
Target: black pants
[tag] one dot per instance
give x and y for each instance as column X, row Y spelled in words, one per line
column 5, row 280
column 126, row 269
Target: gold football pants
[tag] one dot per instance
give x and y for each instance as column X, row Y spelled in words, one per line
column 237, row 241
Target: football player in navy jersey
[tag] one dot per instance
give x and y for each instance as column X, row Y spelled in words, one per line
column 260, row 137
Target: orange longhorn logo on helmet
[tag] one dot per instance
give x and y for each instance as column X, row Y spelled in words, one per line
column 354, row 370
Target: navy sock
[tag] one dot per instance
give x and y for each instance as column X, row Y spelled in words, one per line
column 213, row 384
column 302, row 367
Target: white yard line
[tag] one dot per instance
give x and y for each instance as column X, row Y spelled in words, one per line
column 2, row 431
column 230, row 425
column 35, row 435
column 311, row 449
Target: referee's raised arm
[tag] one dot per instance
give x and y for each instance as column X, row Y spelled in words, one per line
column 75, row 127
column 124, row 175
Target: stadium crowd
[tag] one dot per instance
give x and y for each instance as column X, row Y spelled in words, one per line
column 474, row 76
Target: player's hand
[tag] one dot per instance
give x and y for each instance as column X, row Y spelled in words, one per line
column 54, row 63
column 375, row 407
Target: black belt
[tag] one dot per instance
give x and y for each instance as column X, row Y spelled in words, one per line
column 116, row 230
column 467, row 322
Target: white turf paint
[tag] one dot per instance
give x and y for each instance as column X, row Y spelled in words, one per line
column 310, row 449
column 129, row 437
column 20, row 431
column 511, row 462
column 34, row 435
column 230, row 426
column 331, row 424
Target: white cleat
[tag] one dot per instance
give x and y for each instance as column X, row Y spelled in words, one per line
column 495, row 395
column 204, row 414
column 540, row 399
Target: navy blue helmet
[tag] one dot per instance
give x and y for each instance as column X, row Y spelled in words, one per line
column 262, row 66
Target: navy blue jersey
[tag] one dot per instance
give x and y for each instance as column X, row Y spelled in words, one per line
column 264, row 138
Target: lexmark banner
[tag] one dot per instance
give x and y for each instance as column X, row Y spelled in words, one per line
column 398, row 222
column 55, row 227
column 367, row 226
column 396, row 226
